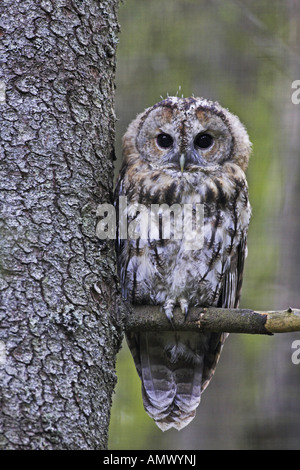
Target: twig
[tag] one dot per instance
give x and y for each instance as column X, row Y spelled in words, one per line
column 231, row 320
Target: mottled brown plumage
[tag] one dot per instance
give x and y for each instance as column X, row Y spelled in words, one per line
column 182, row 152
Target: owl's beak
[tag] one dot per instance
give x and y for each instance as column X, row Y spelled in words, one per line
column 182, row 162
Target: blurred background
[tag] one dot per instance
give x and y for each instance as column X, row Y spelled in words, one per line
column 244, row 54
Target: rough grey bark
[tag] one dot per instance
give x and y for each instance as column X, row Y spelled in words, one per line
column 58, row 333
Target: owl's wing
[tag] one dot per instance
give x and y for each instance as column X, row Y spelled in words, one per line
column 229, row 298
column 119, row 243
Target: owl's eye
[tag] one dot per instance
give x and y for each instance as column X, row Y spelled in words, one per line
column 164, row 140
column 203, row 141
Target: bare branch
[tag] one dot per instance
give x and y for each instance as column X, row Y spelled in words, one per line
column 231, row 320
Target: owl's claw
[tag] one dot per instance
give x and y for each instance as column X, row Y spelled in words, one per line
column 168, row 309
column 184, row 306
column 169, row 315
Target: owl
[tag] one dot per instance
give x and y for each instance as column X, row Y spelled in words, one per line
column 181, row 153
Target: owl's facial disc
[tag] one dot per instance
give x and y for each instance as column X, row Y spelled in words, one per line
column 182, row 156
column 184, row 153
column 183, row 139
column 212, row 139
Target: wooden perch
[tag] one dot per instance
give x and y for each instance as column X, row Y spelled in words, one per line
column 229, row 320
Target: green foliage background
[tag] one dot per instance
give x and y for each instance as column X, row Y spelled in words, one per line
column 244, row 54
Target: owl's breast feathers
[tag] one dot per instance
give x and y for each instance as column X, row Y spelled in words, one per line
column 215, row 185
column 154, row 270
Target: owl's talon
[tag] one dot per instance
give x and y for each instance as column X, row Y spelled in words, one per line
column 184, row 306
column 168, row 309
column 169, row 314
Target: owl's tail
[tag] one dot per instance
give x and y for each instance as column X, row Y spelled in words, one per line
column 170, row 365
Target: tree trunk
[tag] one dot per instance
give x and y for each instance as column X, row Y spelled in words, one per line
column 58, row 331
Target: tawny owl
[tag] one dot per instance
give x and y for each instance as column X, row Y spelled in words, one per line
column 188, row 152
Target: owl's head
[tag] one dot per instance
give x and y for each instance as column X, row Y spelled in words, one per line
column 188, row 134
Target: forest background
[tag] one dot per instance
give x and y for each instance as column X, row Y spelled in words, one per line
column 246, row 55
